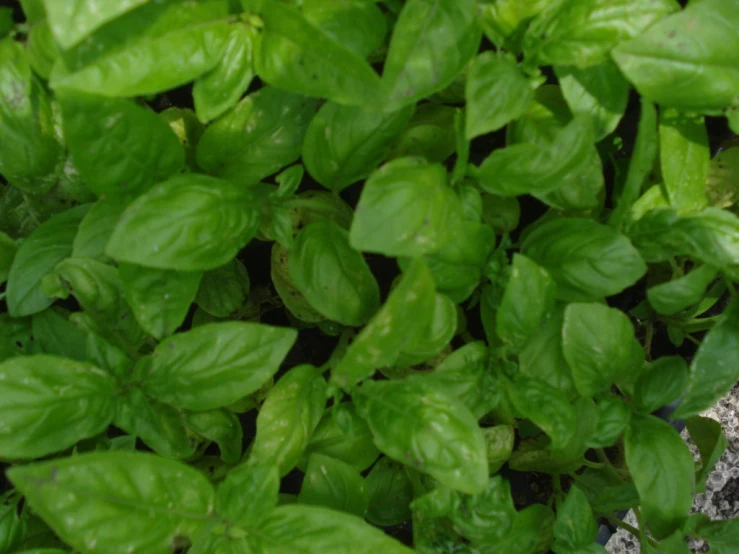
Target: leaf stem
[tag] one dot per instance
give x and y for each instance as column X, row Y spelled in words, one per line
column 631, row 529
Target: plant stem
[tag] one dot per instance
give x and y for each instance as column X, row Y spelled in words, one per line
column 631, row 529
column 643, row 539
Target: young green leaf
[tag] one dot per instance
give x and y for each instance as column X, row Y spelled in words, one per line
column 721, row 536
column 527, row 298
column 119, row 147
column 343, row 144
column 404, row 210
column 713, row 370
column 681, row 293
column 54, row 334
column 48, row 245
column 108, row 356
column 686, row 60
column 496, row 93
column 433, row 337
column 188, row 223
column 75, row 20
column 159, row 298
column 663, row 472
column 505, row 21
column 390, row 493
column 215, row 365
column 93, row 501
column 300, row 528
column 684, row 158
column 582, row 33
column 416, row 423
column 707, row 435
column 576, row 527
column 395, row 325
column 333, row 278
column 344, row 436
column 661, row 383
column 431, row 134
column 222, row 427
column 599, row 91
column 49, row 403
column 42, row 49
column 288, row 417
column 248, row 493
column 8, row 249
column 32, row 155
column 586, row 260
column 606, row 492
column 160, row 427
column 221, row 88
column 159, row 46
column 260, row 136
column 333, row 484
column 432, row 42
column 599, row 345
column 296, row 55
column 613, row 416
column 95, row 229
column 223, row 290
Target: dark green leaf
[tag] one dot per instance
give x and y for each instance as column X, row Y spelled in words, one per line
column 95, row 229
column 576, row 526
column 660, row 383
column 223, row 290
column 333, row 484
column 260, row 136
column 721, row 536
column 432, row 337
column 586, row 260
column 599, row 345
column 613, row 416
column 97, row 500
column 248, row 494
column 707, row 435
column 417, row 424
column 390, row 492
column 430, row 134
column 606, row 492
column 54, row 334
column 49, row 403
column 189, row 223
column 222, row 427
column 663, row 472
column 215, row 365
column 681, row 293
column 49, row 244
column 8, row 248
column 42, row 50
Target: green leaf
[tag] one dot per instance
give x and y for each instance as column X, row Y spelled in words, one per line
column 486, row 517
column 532, row 169
column 606, row 492
column 663, row 472
column 75, row 20
column 119, row 147
column 708, row 436
column 215, row 365
column 723, row 174
column 32, row 155
column 48, row 245
column 42, row 50
column 296, row 55
column 299, row 528
column 684, row 158
column 54, row 334
column 95, row 285
column 527, row 298
column 576, row 527
column 499, row 440
column 732, row 118
column 157, row 47
column 95, row 229
column 159, row 298
column 418, row 424
column 333, row 484
column 713, row 370
column 108, row 356
column 160, row 427
column 432, row 42
column 49, row 403
column 248, row 493
column 681, row 293
column 257, row 138
column 343, row 144
column 288, row 417
column 586, row 260
column 542, row 356
column 8, row 249
column 599, row 345
column 545, row 407
column 93, row 501
column 504, row 22
column 188, row 223
column 661, row 383
column 188, row 130
column 599, row 91
column 432, row 338
column 582, row 33
column 345, row 436
column 613, row 416
column 430, row 134
column 687, row 60
column 293, row 301
column 531, row 532
column 710, row 236
column 221, row 88
column 390, row 493
column 333, row 278
column 399, row 322
column 404, row 210
column 223, row 290
column 721, row 536
column 222, row 427
column 497, row 92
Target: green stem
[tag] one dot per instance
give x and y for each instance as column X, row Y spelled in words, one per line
column 607, row 465
column 594, row 465
column 557, row 490
column 730, row 286
column 631, row 529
